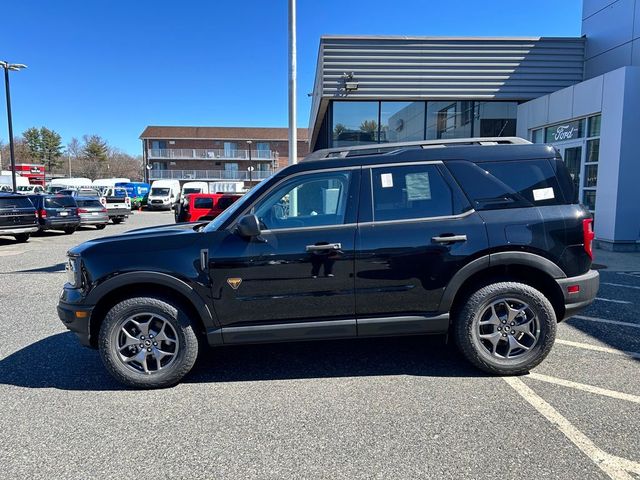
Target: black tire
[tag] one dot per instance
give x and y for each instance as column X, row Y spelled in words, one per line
column 70, row 230
column 22, row 237
column 482, row 352
column 187, row 350
column 116, row 221
column 101, row 226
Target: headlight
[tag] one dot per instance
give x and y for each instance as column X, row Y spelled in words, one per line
column 73, row 271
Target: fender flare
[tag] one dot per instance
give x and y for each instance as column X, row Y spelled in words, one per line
column 491, row 260
column 155, row 278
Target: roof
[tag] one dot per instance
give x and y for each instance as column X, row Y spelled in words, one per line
column 220, row 133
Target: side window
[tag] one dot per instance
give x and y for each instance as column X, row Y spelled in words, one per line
column 203, row 203
column 312, row 200
column 412, row 191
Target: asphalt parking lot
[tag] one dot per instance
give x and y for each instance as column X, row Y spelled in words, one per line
column 378, row 408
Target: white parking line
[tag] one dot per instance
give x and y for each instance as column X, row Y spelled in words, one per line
column 613, row 466
column 585, row 388
column 620, row 285
column 598, row 348
column 613, row 301
column 605, row 320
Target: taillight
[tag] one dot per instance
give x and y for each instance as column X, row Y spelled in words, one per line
column 104, row 210
column 83, row 210
column 588, row 236
column 42, row 213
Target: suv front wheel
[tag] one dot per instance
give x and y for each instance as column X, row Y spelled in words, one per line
column 147, row 342
column 506, row 328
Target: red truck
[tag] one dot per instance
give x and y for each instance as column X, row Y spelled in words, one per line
column 198, row 207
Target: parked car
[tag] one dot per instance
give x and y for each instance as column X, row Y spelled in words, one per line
column 30, row 189
column 80, row 192
column 486, row 242
column 17, row 216
column 199, row 207
column 56, row 212
column 92, row 212
column 117, row 202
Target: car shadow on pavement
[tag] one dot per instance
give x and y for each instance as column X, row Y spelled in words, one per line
column 57, row 268
column 59, row 361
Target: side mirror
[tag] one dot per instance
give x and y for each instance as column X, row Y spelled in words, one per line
column 248, row 226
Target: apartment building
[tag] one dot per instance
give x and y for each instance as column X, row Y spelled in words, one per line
column 246, row 154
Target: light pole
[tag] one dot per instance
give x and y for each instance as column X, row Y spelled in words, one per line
column 249, row 142
column 11, row 66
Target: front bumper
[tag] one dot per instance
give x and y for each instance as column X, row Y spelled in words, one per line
column 74, row 316
column 18, row 230
column 587, row 288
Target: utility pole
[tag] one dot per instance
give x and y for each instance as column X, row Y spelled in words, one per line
column 11, row 66
column 293, row 132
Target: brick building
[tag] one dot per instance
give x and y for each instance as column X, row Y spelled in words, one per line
column 217, row 153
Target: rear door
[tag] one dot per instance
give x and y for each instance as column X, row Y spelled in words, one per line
column 16, row 212
column 416, row 230
column 61, row 207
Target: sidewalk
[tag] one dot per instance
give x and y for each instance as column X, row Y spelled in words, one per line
column 616, row 261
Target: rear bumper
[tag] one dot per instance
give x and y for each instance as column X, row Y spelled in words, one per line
column 118, row 212
column 59, row 223
column 587, row 288
column 94, row 220
column 18, row 230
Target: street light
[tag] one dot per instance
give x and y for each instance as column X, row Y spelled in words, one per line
column 15, row 67
column 249, row 142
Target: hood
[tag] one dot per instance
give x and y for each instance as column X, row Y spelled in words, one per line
column 164, row 237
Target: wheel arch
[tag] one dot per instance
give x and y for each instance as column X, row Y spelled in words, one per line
column 137, row 284
column 523, row 267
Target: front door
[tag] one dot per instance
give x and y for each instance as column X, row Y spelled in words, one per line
column 300, row 269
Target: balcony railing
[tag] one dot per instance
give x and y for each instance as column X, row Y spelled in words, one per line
column 210, row 154
column 238, row 175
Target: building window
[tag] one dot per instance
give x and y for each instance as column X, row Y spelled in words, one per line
column 562, row 132
column 354, row 123
column 537, row 136
column 401, row 121
column 594, row 126
column 263, row 150
column 471, row 119
column 448, row 120
column 230, row 149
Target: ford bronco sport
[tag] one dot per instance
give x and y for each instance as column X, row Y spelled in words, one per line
column 480, row 238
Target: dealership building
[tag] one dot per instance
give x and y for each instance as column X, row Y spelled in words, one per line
column 580, row 94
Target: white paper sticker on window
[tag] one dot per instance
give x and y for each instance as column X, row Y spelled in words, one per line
column 387, row 180
column 543, row 194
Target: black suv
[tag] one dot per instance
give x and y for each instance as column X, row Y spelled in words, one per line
column 17, row 216
column 481, row 238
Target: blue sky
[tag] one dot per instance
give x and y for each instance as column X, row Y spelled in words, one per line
column 113, row 67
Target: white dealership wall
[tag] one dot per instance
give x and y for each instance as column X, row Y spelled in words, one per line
column 616, row 95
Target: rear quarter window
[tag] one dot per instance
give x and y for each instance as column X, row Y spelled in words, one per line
column 510, row 184
column 203, row 203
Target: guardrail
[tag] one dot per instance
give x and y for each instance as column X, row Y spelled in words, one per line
column 240, row 175
column 210, row 154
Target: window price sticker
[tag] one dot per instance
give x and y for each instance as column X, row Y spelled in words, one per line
column 543, row 194
column 387, row 180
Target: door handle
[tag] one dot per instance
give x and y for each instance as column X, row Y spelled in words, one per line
column 324, row 248
column 450, row 239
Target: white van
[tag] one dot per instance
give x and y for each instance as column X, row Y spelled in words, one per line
column 102, row 183
column 163, row 194
column 6, row 181
column 195, row 187
column 58, row 184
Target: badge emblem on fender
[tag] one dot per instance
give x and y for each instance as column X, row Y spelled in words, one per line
column 234, row 282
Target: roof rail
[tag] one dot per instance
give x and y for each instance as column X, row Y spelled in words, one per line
column 381, row 148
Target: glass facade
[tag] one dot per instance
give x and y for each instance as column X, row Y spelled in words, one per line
column 362, row 123
column 579, row 143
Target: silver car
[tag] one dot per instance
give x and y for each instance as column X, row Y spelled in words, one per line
column 92, row 212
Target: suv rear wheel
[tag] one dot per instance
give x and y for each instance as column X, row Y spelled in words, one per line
column 506, row 328
column 147, row 342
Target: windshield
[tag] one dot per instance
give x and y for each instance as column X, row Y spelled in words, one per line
column 159, row 192
column 187, row 191
column 235, row 207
